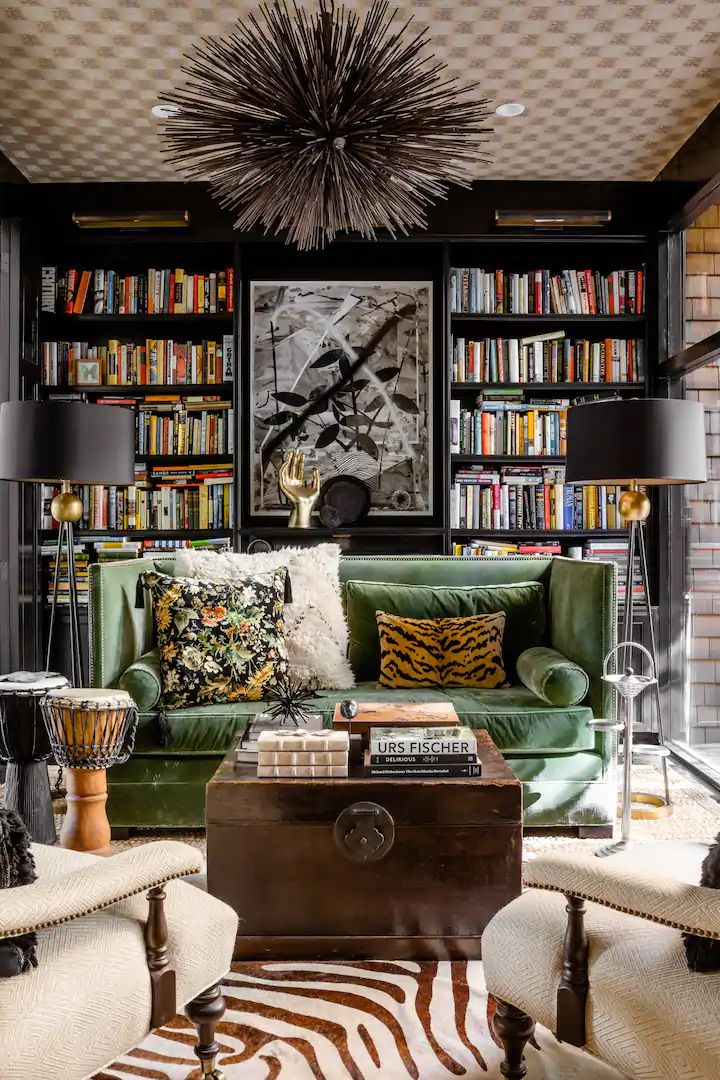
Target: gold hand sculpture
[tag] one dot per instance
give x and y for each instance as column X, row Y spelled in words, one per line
column 292, row 484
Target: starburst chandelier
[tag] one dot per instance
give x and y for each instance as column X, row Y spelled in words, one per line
column 316, row 122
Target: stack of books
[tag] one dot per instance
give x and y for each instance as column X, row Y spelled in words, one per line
column 49, row 551
column 617, row 551
column 422, row 752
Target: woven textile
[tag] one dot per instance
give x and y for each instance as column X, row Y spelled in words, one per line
column 647, row 1015
column 80, row 890
column 89, row 999
column 613, row 882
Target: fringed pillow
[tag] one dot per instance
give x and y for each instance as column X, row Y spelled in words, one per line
column 703, row 954
column 17, row 867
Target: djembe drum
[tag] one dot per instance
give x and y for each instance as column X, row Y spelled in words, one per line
column 25, row 746
column 89, row 731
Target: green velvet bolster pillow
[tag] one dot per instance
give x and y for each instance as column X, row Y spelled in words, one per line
column 142, row 680
column 552, row 677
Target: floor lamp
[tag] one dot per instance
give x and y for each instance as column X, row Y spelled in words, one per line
column 69, row 442
column 636, row 443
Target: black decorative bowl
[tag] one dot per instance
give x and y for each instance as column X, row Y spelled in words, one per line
column 345, row 501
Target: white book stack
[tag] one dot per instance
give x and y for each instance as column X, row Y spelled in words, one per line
column 303, row 754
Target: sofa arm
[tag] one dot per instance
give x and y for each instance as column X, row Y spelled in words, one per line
column 552, row 677
column 52, row 901
column 692, row 908
column 582, row 605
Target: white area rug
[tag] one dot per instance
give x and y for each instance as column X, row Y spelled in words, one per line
column 362, row 1021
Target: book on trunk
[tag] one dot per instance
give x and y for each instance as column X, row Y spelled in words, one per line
column 422, row 741
column 437, row 771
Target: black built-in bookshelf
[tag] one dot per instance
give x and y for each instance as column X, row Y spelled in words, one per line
column 519, row 255
column 419, row 259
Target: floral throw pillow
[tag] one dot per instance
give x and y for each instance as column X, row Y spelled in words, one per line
column 220, row 640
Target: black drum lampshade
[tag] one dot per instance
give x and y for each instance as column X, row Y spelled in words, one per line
column 47, row 441
column 70, row 442
column 638, row 440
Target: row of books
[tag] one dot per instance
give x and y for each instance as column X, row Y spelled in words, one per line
column 202, row 504
column 542, row 292
column 532, row 429
column 422, row 752
column 124, row 363
column 547, row 358
column 489, row 549
column 530, row 497
column 150, row 292
column 187, row 426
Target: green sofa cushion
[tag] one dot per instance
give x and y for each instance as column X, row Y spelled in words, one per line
column 142, row 680
column 522, row 602
column 516, row 719
column 552, row 676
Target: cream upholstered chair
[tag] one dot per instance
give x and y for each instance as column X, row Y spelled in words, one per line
column 612, row 978
column 121, row 946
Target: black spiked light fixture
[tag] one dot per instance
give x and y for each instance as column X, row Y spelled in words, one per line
column 314, row 122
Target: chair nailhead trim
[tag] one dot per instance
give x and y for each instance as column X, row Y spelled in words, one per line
column 46, row 925
column 713, row 935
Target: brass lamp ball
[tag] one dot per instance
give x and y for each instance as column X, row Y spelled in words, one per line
column 634, row 505
column 67, row 506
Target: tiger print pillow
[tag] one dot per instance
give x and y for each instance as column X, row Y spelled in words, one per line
column 465, row 651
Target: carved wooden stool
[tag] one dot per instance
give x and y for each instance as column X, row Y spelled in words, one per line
column 89, row 731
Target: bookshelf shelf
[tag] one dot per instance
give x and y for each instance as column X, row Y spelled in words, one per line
column 544, row 320
column 143, row 534
column 141, row 390
column 554, row 534
column 184, row 317
column 215, row 460
column 341, row 530
column 550, row 387
column 508, row 459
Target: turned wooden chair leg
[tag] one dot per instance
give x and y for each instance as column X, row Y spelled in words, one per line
column 205, row 1011
column 513, row 1027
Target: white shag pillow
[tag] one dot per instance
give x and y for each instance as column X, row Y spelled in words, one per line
column 316, row 632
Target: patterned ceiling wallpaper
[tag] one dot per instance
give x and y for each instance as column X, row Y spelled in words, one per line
column 612, row 87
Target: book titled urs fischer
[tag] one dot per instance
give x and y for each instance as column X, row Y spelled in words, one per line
column 423, row 752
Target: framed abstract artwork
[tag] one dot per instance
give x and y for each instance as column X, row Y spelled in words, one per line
column 343, row 372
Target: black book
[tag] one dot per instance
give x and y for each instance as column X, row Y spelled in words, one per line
column 418, row 772
column 399, row 760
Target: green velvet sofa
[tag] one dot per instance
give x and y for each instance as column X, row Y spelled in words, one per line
column 565, row 766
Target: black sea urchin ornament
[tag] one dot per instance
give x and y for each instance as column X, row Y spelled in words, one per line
column 290, row 700
column 316, row 122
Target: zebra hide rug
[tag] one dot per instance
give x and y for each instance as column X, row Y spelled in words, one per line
column 383, row 1020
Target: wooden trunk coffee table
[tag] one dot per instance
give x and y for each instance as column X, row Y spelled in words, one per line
column 290, row 857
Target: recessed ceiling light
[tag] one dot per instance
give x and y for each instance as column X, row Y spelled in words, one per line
column 164, row 112
column 510, row 108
